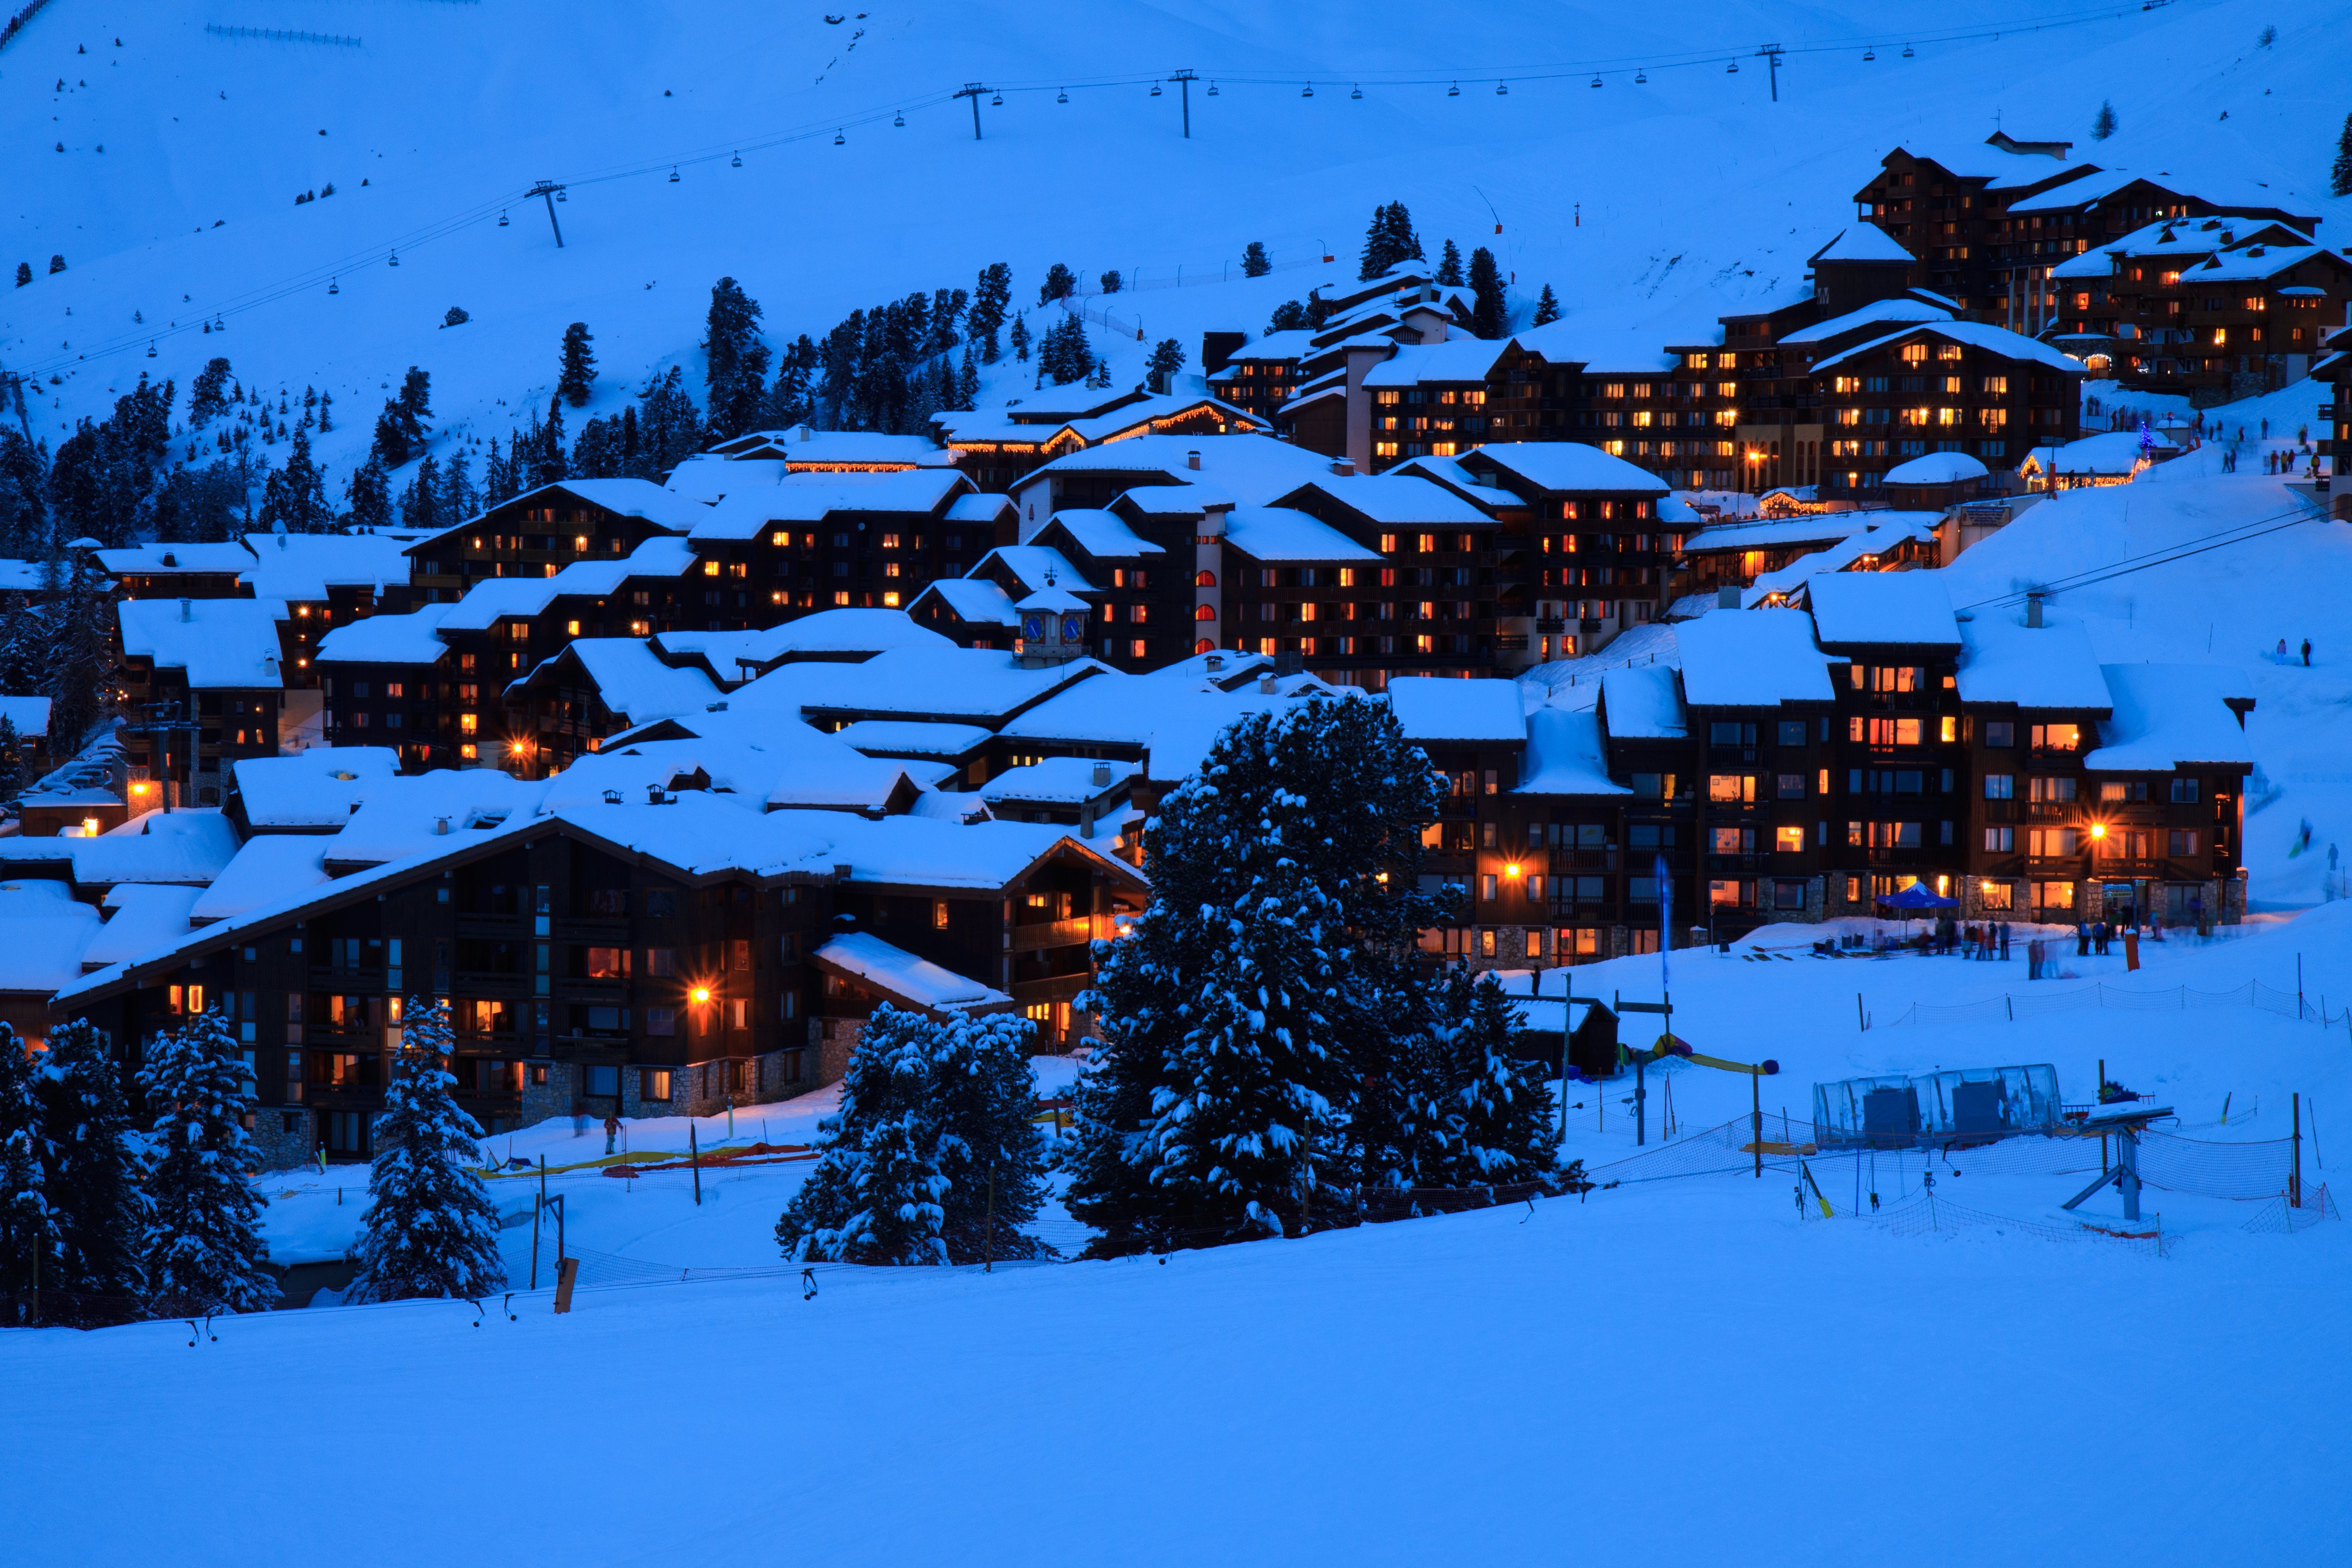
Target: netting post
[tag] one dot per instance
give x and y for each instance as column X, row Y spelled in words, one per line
column 1756, row 1122
column 2295, row 1176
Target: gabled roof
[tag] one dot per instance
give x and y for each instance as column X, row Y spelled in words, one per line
column 1973, row 334
column 1565, row 755
column 311, row 790
column 1643, row 702
column 1280, row 534
column 222, row 644
column 629, row 678
column 2046, row 667
column 1861, row 242
column 1865, row 609
column 1752, row 658
column 1880, row 313
column 2172, row 716
column 812, row 497
column 303, row 567
column 1566, row 466
column 904, row 980
column 1429, row 709
column 1402, row 500
column 974, row 601
column 1102, row 534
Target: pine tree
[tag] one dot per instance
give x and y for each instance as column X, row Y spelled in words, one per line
column 933, row 1135
column 1449, row 266
column 967, row 392
column 78, row 663
column 1166, row 359
column 370, row 495
column 1021, row 340
column 326, row 413
column 1488, row 315
column 991, row 296
column 420, row 502
column 206, row 402
column 92, row 1180
column 579, row 369
column 401, row 429
column 430, row 1230
column 1255, row 262
column 1063, row 355
column 28, row 1232
column 1318, row 310
column 1492, row 1121
column 497, row 476
column 1267, row 982
column 24, row 497
column 791, row 397
column 2104, row 126
column 296, row 495
column 735, row 360
column 460, row 502
column 202, row 1249
column 1110, row 281
column 14, row 772
column 670, row 430
column 24, row 273
column 2339, row 178
column 1389, row 240
column 1546, row 308
column 1060, row 284
column 1289, row 315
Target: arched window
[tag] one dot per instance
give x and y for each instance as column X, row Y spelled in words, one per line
column 1205, row 579
column 1206, row 645
column 1205, row 612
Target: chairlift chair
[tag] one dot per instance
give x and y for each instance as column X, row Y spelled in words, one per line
column 839, row 139
column 736, row 161
column 332, row 288
column 1155, row 92
column 1307, row 92
column 503, row 217
column 395, row 259
column 1868, row 56
column 997, row 101
column 673, row 174
column 1213, row 89
column 1064, row 96
column 1732, row 69
column 1502, row 89
column 1908, row 52
column 900, row 121
column 1454, row 91
column 1596, row 79
column 1641, row 78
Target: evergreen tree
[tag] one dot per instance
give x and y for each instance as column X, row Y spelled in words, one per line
column 1318, row 310
column 430, row 1230
column 1449, row 266
column 735, row 360
column 296, row 495
column 578, row 372
column 990, row 299
column 791, row 397
column 326, row 413
column 1060, row 284
column 1289, row 315
column 1062, row 354
column 24, row 273
column 1110, row 281
column 1488, row 314
column 548, row 462
column 93, row 1167
column 1166, row 359
column 934, row 1115
column 420, row 502
column 28, row 1231
column 1267, row 982
column 497, row 476
column 1389, row 240
column 967, row 388
column 370, row 495
column 1021, row 340
column 202, row 1249
column 2339, row 178
column 401, row 429
column 1255, row 262
column 460, row 502
column 670, row 430
column 1547, row 306
column 77, row 606
column 1491, row 1123
column 2104, row 126
column 15, row 770
column 24, row 497
column 207, row 399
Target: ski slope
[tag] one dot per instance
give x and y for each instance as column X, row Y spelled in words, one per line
column 1676, row 1372
column 1649, row 205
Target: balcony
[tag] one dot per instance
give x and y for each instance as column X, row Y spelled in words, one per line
column 1070, row 933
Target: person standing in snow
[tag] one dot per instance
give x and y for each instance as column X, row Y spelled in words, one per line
column 2306, row 652
column 2281, row 657
column 611, row 1131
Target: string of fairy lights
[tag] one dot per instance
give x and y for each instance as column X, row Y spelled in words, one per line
column 1198, row 90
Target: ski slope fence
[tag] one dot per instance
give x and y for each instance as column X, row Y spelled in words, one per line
column 2010, row 1007
column 281, row 35
column 15, row 24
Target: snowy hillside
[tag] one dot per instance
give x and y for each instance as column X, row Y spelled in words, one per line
column 1672, row 190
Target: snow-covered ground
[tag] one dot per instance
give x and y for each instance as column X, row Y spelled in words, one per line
column 1678, row 1370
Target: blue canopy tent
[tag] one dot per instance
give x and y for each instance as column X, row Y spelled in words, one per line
column 1917, row 896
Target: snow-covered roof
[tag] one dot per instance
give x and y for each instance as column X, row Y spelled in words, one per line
column 929, row 851
column 763, row 757
column 1904, row 608
column 847, row 629
column 1804, row 529
column 1399, row 500
column 1173, row 716
column 1278, row 533
column 979, row 507
column 313, row 790
column 1863, row 242
column 224, row 644
column 2005, row 661
column 896, row 737
column 268, row 867
column 1448, row 473
column 1753, row 658
column 977, row 684
column 2170, row 716
column 1253, row 468
column 902, row 978
column 1458, row 358
column 1286, row 345
column 1034, row 566
column 796, row 499
column 184, row 847
column 493, row 599
column 43, row 933
column 1935, row 468
column 1901, row 307
column 635, row 683
column 302, row 568
column 1999, row 166
column 1430, row 708
column 1884, row 532
column 1565, row 757
column 387, row 639
column 1054, row 601
column 1055, row 782
column 1973, row 334
column 2253, row 263
column 1103, row 535
column 140, row 916
column 2109, row 453
column 806, row 444
column 1643, row 702
column 167, row 559
column 1570, row 465
column 976, row 601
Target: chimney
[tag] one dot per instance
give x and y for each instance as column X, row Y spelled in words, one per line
column 2033, row 598
column 171, row 559
column 1192, row 458
column 187, row 610
column 1342, row 465
column 1214, row 663
column 1101, row 776
column 441, row 826
column 1265, row 684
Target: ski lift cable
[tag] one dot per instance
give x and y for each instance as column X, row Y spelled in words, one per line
column 2184, row 549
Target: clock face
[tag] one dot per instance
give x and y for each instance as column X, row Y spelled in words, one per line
column 1033, row 627
column 1074, row 629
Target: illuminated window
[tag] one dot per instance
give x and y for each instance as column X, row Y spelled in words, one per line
column 891, row 599
column 1789, row 840
column 468, row 724
column 711, row 569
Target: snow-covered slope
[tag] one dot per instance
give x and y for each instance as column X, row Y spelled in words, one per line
column 1649, row 204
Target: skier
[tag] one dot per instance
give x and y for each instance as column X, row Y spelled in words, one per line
column 611, row 1131
column 2306, row 652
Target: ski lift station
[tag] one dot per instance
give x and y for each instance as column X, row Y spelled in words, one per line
column 1974, row 1105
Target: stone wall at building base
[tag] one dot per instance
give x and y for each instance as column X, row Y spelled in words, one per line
column 283, row 1148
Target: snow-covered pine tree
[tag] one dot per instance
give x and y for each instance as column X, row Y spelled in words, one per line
column 1546, row 308
column 498, row 476
column 370, row 495
column 430, row 1230
column 735, row 360
column 1110, row 281
column 296, row 495
column 967, row 390
column 1060, row 284
column 29, row 1239
column 669, row 428
column 202, row 1249
column 459, row 499
column 1494, row 1123
column 206, row 399
column 420, row 501
column 24, row 273
column 1269, row 977
column 1167, row 359
column 1255, row 262
column 577, row 374
column 79, row 606
column 1488, row 314
column 14, row 773
column 93, row 1164
column 990, row 298
column 931, row 1112
column 2339, row 177
column 2104, row 125
column 1289, row 315
column 326, row 413
column 1021, row 340
column 1449, row 266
